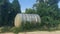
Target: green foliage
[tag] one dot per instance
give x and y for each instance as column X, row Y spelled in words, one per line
column 15, row 30
column 30, row 11
column 16, row 6
column 30, row 26
column 8, row 12
column 14, row 10
column 48, row 11
column 5, row 29
column 4, row 12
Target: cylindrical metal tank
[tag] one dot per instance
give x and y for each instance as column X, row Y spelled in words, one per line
column 31, row 18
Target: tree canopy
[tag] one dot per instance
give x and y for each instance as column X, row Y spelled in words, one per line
column 48, row 11
column 8, row 11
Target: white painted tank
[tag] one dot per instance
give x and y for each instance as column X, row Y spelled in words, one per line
column 32, row 18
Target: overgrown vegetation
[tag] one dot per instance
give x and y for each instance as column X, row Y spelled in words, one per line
column 27, row 27
column 8, row 12
column 48, row 11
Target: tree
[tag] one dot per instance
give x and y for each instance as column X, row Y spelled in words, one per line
column 4, row 11
column 0, row 13
column 48, row 10
column 30, row 11
column 8, row 11
column 14, row 10
column 16, row 6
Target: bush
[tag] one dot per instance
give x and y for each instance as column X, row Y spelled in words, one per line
column 30, row 26
column 14, row 29
column 5, row 29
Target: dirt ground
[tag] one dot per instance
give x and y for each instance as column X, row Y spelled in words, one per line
column 37, row 32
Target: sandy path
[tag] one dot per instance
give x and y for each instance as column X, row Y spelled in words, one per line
column 37, row 32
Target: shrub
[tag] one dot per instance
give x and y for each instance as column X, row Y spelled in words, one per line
column 5, row 29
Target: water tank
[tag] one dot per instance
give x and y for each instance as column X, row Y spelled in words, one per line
column 23, row 18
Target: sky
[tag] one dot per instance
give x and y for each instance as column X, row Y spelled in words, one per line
column 28, row 4
column 59, row 4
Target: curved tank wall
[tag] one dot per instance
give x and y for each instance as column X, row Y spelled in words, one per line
column 31, row 18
